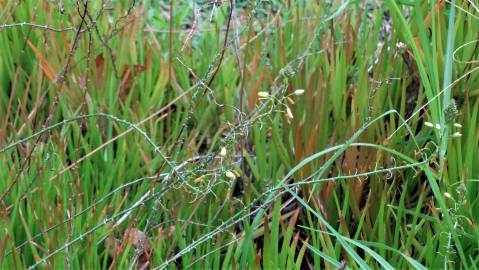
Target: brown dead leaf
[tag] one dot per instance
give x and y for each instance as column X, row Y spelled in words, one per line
column 99, row 62
column 47, row 69
column 137, row 239
column 129, row 73
column 141, row 243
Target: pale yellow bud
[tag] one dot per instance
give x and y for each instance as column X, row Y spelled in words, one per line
column 290, row 100
column 299, row 92
column 290, row 114
column 429, row 124
column 263, row 94
column 457, row 135
column 230, row 175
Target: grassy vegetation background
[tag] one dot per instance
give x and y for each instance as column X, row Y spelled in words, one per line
column 239, row 134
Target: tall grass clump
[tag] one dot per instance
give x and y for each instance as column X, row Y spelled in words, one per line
column 239, row 134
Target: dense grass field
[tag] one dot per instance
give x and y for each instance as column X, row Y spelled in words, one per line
column 239, row 134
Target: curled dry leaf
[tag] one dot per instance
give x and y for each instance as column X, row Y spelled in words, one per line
column 129, row 74
column 99, row 62
column 135, row 238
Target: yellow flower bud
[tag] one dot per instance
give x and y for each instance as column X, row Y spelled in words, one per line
column 263, row 94
column 230, row 175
